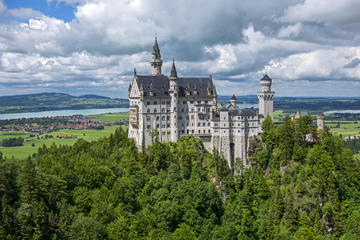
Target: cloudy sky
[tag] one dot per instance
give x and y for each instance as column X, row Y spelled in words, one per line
column 308, row 47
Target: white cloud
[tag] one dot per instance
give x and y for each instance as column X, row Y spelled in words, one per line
column 24, row 13
column 290, row 31
column 99, row 48
column 343, row 11
column 2, row 7
column 324, row 64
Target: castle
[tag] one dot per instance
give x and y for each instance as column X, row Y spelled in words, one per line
column 176, row 106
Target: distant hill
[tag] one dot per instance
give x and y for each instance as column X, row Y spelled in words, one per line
column 311, row 104
column 56, row 101
column 93, row 96
column 60, row 101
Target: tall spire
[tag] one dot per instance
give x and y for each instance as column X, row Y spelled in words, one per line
column 156, row 61
column 156, row 50
column 173, row 70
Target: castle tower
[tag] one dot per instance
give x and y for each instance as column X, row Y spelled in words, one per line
column 174, row 103
column 321, row 122
column 266, row 97
column 156, row 61
column 233, row 101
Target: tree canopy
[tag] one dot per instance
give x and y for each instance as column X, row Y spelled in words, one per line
column 293, row 189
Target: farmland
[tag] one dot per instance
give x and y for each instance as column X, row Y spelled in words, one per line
column 61, row 137
column 32, row 143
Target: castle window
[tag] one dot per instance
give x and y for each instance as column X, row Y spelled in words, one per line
column 162, row 102
column 167, row 102
column 155, row 110
column 163, row 118
column 208, row 123
column 206, row 102
column 187, row 131
column 168, row 125
column 182, row 110
column 148, row 110
column 199, row 131
column 157, row 118
column 187, row 117
column 192, row 116
column 167, row 117
column 184, row 102
column 180, row 117
column 203, row 124
column 155, row 102
column 157, row 126
column 163, row 126
column 204, row 131
column 182, row 131
column 147, row 118
column 163, row 110
column 199, row 124
column 192, row 131
column 209, row 131
column 148, row 103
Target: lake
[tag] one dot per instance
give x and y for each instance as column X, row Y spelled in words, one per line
column 84, row 112
column 342, row 111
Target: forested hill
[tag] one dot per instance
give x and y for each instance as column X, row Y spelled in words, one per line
column 106, row 189
column 56, row 101
column 311, row 104
column 59, row 101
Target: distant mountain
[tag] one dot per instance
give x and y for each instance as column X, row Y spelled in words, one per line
column 56, row 101
column 60, row 101
column 94, row 96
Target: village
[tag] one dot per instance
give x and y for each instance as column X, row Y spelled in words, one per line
column 56, row 123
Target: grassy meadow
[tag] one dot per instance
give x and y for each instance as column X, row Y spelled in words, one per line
column 111, row 117
column 344, row 128
column 31, row 144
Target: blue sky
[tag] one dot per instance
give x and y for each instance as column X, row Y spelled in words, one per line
column 59, row 10
column 308, row 47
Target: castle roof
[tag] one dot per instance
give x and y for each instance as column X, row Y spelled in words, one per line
column 156, row 50
column 243, row 112
column 173, row 70
column 266, row 78
column 159, row 85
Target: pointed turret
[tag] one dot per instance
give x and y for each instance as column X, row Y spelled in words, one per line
column 156, row 61
column 156, row 50
column 173, row 71
column 233, row 101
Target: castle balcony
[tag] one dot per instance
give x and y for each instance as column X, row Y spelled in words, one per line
column 134, row 116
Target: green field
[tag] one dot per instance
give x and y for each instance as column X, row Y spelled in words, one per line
column 278, row 116
column 345, row 128
column 112, row 117
column 27, row 149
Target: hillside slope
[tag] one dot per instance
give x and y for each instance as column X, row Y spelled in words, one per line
column 56, row 101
